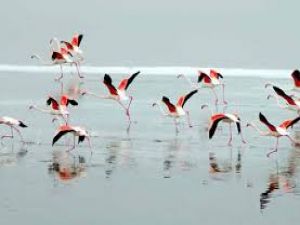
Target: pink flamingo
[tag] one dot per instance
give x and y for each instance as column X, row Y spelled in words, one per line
column 77, row 131
column 13, row 124
column 209, row 81
column 176, row 111
column 226, row 118
column 275, row 131
column 57, row 108
column 117, row 94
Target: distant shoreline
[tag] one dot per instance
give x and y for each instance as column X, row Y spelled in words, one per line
column 159, row 70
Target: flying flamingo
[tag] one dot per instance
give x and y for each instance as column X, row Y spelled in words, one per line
column 226, row 118
column 79, row 132
column 13, row 124
column 290, row 103
column 117, row 94
column 176, row 111
column 57, row 108
column 275, row 131
column 208, row 81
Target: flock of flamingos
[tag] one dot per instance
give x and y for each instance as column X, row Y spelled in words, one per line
column 70, row 53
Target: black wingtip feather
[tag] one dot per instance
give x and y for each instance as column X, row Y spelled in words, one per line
column 21, row 124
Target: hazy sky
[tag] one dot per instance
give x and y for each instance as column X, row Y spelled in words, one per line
column 231, row 33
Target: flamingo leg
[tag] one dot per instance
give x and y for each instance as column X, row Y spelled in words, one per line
column 230, row 137
column 19, row 132
column 276, row 147
column 61, row 73
column 8, row 136
column 223, row 92
column 74, row 143
column 77, row 67
column 242, row 137
column 126, row 110
column 216, row 96
column 188, row 119
column 176, row 126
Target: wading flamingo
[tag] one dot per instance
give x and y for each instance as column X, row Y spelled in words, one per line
column 79, row 132
column 208, row 81
column 290, row 102
column 176, row 111
column 57, row 58
column 58, row 109
column 117, row 94
column 226, row 118
column 13, row 124
column 275, row 131
column 75, row 51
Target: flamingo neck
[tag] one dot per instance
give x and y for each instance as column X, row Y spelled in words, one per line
column 262, row 133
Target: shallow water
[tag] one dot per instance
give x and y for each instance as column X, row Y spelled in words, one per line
column 149, row 175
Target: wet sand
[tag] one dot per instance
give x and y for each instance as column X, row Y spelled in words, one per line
column 149, row 175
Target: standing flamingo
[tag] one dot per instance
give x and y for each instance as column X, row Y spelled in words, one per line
column 79, row 132
column 290, row 103
column 226, row 118
column 275, row 131
column 117, row 94
column 12, row 123
column 208, row 81
column 176, row 111
column 57, row 109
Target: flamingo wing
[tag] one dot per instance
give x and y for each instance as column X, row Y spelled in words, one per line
column 264, row 120
column 60, row 134
column 238, row 126
column 76, row 40
column 215, row 121
column 288, row 123
column 81, row 138
column 124, row 84
column 72, row 102
column 215, row 74
column 281, row 93
column 296, row 76
column 68, row 45
column 183, row 99
column 54, row 104
column 108, row 82
column 204, row 76
column 170, row 106
column 57, row 56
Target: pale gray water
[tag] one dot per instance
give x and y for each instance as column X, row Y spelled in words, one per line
column 151, row 175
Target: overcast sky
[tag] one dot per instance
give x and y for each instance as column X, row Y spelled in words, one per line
column 231, row 33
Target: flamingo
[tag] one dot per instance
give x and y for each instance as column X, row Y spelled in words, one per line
column 176, row 111
column 226, row 118
column 208, row 81
column 57, row 58
column 117, row 94
column 74, row 50
column 73, row 46
column 57, row 109
column 13, row 124
column 275, row 131
column 77, row 131
column 290, row 103
column 296, row 77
